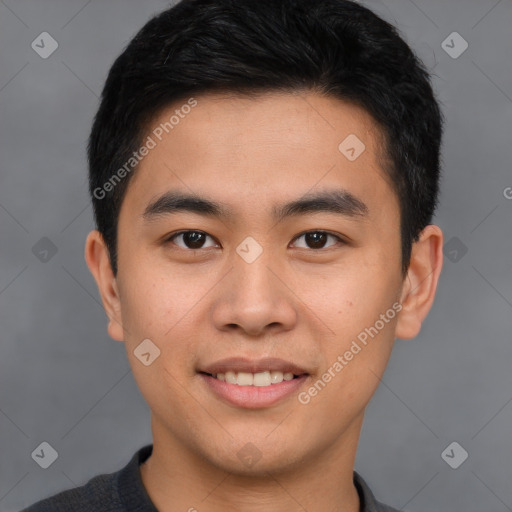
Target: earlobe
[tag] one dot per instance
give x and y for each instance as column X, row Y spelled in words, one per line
column 420, row 284
column 98, row 260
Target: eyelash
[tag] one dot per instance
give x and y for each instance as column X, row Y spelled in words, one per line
column 174, row 235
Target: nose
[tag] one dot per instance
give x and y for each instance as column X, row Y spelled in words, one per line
column 254, row 298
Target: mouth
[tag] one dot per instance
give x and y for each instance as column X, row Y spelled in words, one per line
column 241, row 365
column 253, row 384
column 259, row 379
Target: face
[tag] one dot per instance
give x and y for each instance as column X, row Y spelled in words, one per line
column 295, row 257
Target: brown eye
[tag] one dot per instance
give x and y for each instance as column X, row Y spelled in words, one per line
column 191, row 239
column 317, row 239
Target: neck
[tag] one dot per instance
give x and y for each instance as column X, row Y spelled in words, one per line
column 178, row 479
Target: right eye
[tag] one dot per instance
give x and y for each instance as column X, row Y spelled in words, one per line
column 192, row 239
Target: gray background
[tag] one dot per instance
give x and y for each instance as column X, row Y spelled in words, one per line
column 64, row 381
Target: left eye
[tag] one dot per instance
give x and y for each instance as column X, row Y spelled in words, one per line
column 317, row 239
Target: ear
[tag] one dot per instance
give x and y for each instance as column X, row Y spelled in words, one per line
column 420, row 284
column 98, row 261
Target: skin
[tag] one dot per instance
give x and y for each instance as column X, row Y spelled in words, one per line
column 297, row 301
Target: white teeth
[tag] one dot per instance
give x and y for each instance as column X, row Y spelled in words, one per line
column 276, row 377
column 244, row 379
column 260, row 379
column 230, row 377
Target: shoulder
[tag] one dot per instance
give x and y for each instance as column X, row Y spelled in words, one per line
column 98, row 494
column 112, row 492
column 368, row 501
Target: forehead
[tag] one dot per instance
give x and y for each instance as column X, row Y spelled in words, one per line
column 275, row 144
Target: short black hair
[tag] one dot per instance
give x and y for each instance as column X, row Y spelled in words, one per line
column 337, row 48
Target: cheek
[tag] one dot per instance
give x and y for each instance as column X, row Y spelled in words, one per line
column 354, row 360
column 160, row 308
column 166, row 307
column 351, row 296
column 355, row 305
column 156, row 300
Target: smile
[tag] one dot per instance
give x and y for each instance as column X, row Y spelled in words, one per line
column 260, row 379
column 246, row 393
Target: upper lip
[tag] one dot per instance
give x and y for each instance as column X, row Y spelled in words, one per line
column 241, row 364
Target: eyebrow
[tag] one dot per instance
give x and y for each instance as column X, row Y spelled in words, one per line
column 339, row 201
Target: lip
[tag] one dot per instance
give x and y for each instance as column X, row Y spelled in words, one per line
column 253, row 397
column 241, row 364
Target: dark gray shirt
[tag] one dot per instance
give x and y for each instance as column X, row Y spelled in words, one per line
column 124, row 491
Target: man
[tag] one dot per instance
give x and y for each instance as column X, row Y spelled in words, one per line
column 263, row 176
